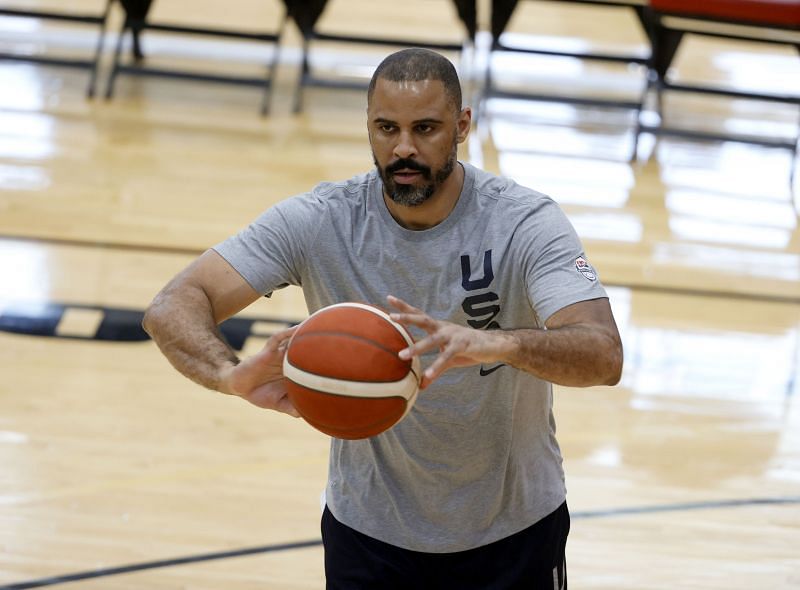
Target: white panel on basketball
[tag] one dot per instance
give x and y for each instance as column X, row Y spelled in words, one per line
column 405, row 387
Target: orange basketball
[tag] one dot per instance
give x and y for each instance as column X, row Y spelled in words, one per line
column 343, row 374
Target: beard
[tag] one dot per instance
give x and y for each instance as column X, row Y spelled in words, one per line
column 409, row 195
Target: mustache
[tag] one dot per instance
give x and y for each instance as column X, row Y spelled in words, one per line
column 408, row 164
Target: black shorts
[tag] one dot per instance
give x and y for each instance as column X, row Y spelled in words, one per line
column 532, row 559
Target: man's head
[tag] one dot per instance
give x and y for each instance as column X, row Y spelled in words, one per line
column 415, row 123
column 415, row 65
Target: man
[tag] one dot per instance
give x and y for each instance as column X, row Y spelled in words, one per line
column 468, row 490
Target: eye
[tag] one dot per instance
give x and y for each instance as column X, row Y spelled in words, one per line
column 386, row 127
column 424, row 128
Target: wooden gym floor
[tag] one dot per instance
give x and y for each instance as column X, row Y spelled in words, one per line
column 118, row 473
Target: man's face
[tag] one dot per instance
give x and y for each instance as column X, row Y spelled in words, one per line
column 414, row 131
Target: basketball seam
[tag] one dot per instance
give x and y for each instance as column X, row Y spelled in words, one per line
column 373, row 343
column 374, row 310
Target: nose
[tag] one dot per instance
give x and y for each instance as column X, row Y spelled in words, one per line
column 405, row 148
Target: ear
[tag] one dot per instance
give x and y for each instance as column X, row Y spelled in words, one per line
column 463, row 124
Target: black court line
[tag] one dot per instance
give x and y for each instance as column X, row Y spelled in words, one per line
column 684, row 507
column 148, row 565
column 760, row 297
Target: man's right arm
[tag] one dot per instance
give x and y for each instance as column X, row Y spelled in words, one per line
column 183, row 320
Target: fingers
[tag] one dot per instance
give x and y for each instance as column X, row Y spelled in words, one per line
column 400, row 304
column 458, row 346
column 410, row 315
column 274, row 350
column 433, row 341
column 445, row 360
column 438, row 338
column 260, row 377
column 280, row 340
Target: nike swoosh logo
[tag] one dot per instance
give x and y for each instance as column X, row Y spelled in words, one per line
column 483, row 372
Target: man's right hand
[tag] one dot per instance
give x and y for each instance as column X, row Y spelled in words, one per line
column 259, row 379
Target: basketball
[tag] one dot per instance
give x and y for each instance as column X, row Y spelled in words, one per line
column 343, row 374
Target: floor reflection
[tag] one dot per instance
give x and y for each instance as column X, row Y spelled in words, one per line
column 25, row 269
column 708, row 349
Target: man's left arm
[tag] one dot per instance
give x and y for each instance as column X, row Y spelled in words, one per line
column 580, row 346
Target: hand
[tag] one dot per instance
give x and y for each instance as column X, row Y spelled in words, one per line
column 458, row 346
column 259, row 379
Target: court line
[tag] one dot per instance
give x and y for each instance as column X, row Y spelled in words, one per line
column 684, row 507
column 764, row 297
column 137, row 567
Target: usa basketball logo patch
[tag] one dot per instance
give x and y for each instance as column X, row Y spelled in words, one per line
column 585, row 268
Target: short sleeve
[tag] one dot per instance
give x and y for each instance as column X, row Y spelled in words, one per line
column 269, row 253
column 557, row 271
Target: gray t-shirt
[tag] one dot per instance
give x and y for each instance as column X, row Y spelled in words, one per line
column 476, row 459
